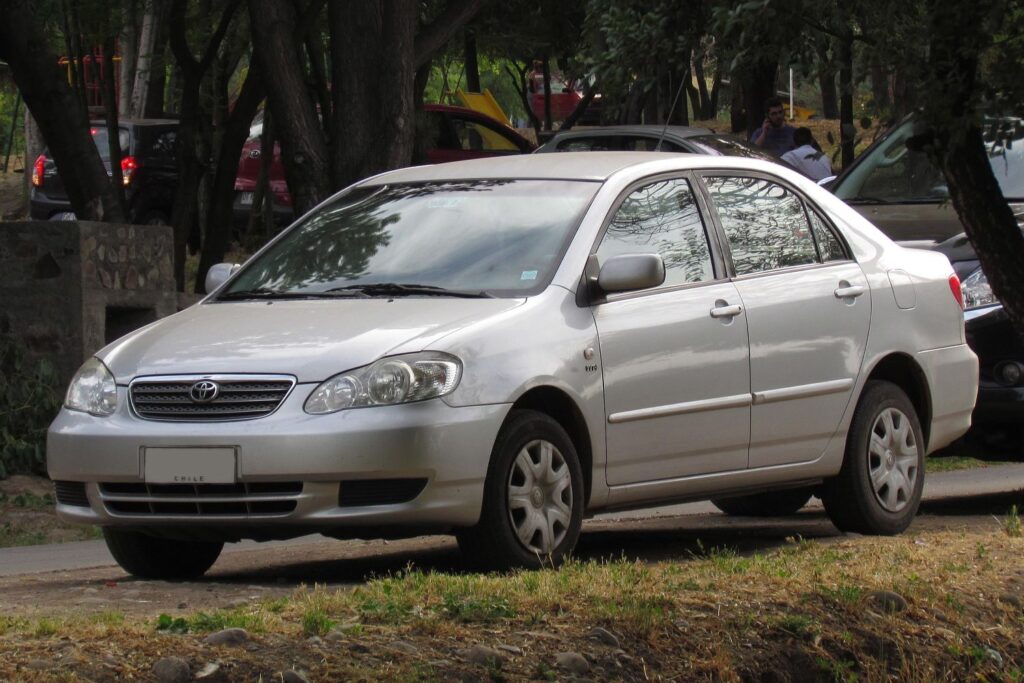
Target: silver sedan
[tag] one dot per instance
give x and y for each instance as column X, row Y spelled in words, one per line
column 498, row 348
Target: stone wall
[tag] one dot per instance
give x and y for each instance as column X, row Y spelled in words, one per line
column 69, row 288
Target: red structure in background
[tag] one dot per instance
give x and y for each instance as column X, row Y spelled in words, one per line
column 95, row 69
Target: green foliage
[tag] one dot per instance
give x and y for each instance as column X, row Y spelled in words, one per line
column 29, row 400
column 316, row 622
column 1012, row 525
column 203, row 622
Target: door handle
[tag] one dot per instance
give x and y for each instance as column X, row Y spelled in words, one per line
column 726, row 311
column 848, row 291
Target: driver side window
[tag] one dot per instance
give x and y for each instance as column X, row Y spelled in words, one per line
column 662, row 218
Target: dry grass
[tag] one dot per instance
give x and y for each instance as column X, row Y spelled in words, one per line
column 803, row 612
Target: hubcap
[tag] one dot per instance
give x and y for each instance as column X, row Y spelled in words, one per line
column 893, row 460
column 540, row 497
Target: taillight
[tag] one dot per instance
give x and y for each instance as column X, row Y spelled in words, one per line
column 38, row 169
column 128, row 168
column 958, row 294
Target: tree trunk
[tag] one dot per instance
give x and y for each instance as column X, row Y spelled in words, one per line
column 737, row 112
column 847, row 131
column 374, row 115
column 57, row 111
column 879, row 85
column 113, row 130
column 303, row 145
column 190, row 162
column 704, row 111
column 827, row 81
column 157, row 87
column 236, row 130
column 143, row 62
column 958, row 37
column 519, row 81
column 129, row 43
column 546, row 72
column 758, row 86
column 589, row 92
column 716, row 87
column 472, row 69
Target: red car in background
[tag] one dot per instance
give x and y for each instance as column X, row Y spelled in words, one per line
column 456, row 134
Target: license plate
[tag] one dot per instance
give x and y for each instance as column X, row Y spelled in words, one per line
column 190, row 465
column 245, row 198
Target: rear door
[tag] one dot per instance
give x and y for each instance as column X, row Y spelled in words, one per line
column 807, row 308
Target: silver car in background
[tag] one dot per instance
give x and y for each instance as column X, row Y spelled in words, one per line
column 499, row 348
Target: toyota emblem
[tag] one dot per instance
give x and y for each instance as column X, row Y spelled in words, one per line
column 203, row 391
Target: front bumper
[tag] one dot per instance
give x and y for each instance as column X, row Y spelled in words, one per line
column 991, row 336
column 445, row 448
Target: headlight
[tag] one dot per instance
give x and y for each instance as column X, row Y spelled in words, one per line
column 977, row 292
column 92, row 390
column 389, row 381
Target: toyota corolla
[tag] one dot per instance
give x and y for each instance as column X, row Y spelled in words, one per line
column 498, row 348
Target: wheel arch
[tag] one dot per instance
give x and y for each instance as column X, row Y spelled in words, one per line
column 560, row 407
column 903, row 371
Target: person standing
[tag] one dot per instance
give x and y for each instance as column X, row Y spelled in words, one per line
column 774, row 135
column 807, row 158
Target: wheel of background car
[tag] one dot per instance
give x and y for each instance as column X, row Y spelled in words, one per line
column 149, row 557
column 533, row 497
column 878, row 489
column 770, row 504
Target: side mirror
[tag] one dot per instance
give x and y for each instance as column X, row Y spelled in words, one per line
column 219, row 274
column 629, row 272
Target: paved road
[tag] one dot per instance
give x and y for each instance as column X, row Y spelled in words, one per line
column 940, row 489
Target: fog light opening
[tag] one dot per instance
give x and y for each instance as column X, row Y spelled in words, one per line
column 1009, row 373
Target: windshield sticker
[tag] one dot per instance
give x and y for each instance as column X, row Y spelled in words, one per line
column 445, row 202
column 528, row 275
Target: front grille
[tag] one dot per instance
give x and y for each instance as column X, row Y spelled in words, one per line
column 238, row 397
column 201, row 500
column 359, row 492
column 71, row 493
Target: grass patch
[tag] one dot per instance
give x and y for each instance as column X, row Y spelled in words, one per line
column 204, row 622
column 1011, row 525
column 952, row 463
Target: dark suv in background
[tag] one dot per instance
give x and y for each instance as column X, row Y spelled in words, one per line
column 148, row 164
column 898, row 189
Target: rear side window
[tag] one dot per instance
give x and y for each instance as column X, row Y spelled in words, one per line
column 163, row 149
column 597, row 143
column 764, row 222
column 100, row 138
column 478, row 137
column 829, row 246
column 661, row 218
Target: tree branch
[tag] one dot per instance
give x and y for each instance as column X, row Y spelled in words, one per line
column 218, row 35
column 433, row 36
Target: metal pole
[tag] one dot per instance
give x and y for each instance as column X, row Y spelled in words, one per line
column 10, row 136
column 791, row 94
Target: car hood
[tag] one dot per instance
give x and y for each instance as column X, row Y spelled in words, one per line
column 310, row 339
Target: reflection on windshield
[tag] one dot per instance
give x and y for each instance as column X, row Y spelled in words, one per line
column 893, row 173
column 501, row 237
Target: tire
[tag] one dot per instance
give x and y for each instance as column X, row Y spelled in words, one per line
column 878, row 489
column 540, row 526
column 149, row 557
column 770, row 504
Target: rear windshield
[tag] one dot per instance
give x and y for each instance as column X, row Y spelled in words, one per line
column 99, row 136
column 729, row 146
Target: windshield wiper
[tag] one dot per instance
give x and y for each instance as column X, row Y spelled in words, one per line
column 866, row 200
column 398, row 289
column 267, row 293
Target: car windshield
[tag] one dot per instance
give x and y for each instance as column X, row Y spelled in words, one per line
column 472, row 237
column 891, row 172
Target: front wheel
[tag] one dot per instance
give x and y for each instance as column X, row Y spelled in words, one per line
column 878, row 489
column 533, row 497
column 149, row 557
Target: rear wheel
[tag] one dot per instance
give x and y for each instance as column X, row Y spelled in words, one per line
column 879, row 487
column 533, row 497
column 770, row 504
column 149, row 557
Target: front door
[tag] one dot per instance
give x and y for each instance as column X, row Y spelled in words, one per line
column 675, row 358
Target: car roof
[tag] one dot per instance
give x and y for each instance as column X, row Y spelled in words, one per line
column 594, row 166
column 637, row 129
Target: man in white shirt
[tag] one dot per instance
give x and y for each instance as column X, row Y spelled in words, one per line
column 806, row 158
